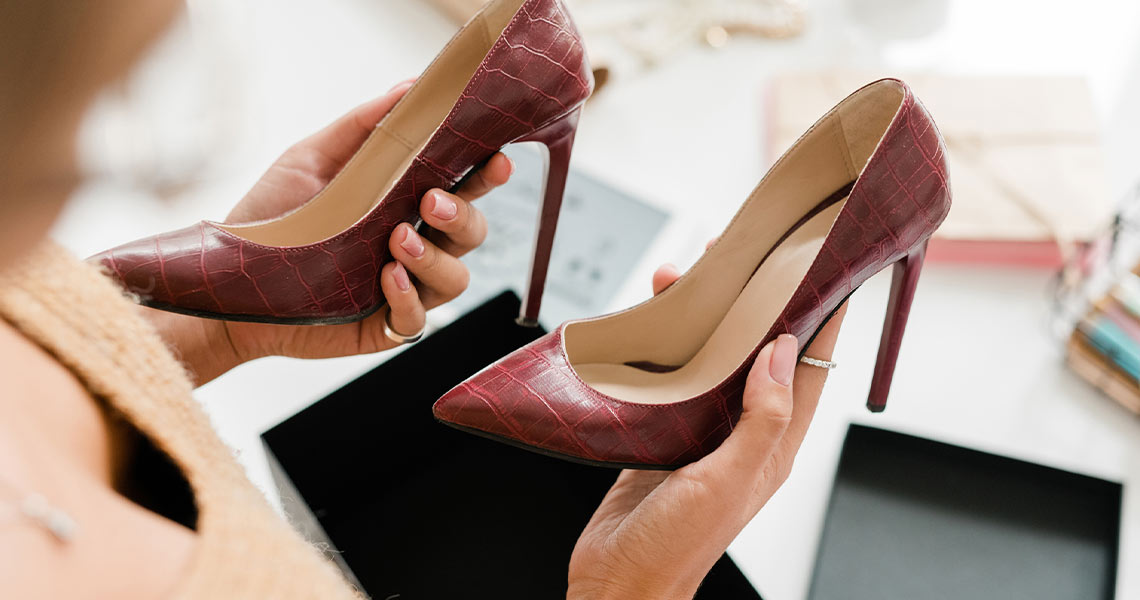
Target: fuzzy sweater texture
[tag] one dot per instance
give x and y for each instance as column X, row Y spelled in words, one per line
column 244, row 549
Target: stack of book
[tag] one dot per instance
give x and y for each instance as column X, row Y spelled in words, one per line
column 1105, row 345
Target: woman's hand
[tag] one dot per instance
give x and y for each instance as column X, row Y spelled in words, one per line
column 657, row 534
column 426, row 272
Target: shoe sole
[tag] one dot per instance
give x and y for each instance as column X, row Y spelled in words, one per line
column 265, row 319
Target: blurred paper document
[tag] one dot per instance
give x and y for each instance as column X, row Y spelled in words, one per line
column 1027, row 167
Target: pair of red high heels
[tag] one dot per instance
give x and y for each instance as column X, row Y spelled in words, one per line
column 658, row 385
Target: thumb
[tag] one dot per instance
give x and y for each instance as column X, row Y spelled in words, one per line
column 765, row 415
column 340, row 140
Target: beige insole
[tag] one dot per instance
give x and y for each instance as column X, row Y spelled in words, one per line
column 388, row 152
column 745, row 323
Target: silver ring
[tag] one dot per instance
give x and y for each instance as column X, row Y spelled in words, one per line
column 398, row 337
column 815, row 362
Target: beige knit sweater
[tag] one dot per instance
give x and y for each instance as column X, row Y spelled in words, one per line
column 244, row 549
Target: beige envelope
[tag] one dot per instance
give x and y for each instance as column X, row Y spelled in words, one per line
column 1026, row 160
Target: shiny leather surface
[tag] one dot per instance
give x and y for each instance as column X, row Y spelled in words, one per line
column 535, row 73
column 535, row 398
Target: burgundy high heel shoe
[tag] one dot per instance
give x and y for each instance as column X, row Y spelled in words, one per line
column 660, row 385
column 516, row 72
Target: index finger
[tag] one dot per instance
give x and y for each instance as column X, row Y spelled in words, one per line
column 341, row 139
column 490, row 176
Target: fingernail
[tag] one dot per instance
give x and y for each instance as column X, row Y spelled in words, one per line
column 511, row 165
column 405, row 83
column 783, row 363
column 401, row 276
column 444, row 206
column 412, row 243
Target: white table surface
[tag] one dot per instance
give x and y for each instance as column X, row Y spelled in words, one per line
column 979, row 367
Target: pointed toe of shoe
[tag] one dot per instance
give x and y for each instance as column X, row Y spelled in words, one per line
column 205, row 271
column 462, row 407
column 163, row 271
column 106, row 262
column 490, row 403
column 534, row 399
column 195, row 270
column 505, row 400
column 136, row 268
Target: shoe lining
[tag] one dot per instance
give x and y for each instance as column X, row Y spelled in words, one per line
column 390, row 149
column 706, row 324
column 749, row 318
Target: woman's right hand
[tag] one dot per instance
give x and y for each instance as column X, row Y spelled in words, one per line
column 426, row 271
column 657, row 534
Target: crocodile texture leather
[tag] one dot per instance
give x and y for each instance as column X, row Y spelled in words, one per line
column 535, row 73
column 534, row 397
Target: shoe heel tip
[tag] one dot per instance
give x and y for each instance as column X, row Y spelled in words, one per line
column 525, row 322
column 876, row 408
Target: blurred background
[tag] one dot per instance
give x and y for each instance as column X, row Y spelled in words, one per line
column 1023, row 338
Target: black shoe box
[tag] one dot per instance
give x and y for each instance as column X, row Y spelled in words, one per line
column 922, row 520
column 411, row 508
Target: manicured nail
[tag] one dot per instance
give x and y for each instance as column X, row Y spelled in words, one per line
column 412, row 243
column 444, row 207
column 405, row 83
column 783, row 363
column 401, row 276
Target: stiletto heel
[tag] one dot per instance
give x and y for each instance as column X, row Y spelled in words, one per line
column 904, row 280
column 660, row 385
column 558, row 139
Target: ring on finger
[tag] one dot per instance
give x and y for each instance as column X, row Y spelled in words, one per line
column 398, row 337
column 815, row 362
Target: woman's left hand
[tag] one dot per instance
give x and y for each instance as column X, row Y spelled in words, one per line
column 657, row 534
column 426, row 272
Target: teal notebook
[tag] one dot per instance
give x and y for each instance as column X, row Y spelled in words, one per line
column 1114, row 343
